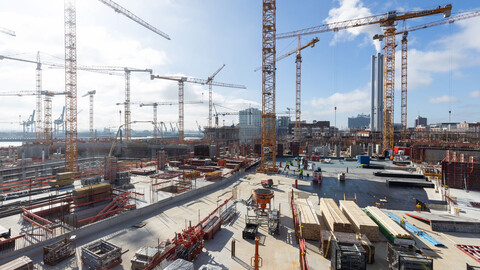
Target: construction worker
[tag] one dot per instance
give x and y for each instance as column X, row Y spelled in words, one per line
column 300, row 174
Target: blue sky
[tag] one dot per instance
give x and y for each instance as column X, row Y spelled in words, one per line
column 443, row 61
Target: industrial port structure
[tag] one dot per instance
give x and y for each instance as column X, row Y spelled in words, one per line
column 420, row 205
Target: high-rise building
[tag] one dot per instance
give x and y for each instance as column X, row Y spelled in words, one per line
column 376, row 121
column 361, row 121
column 421, row 121
column 250, row 123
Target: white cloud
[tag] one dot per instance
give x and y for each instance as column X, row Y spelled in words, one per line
column 475, row 94
column 350, row 102
column 353, row 9
column 442, row 99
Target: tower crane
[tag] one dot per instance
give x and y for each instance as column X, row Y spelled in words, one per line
column 181, row 80
column 404, row 32
column 7, row 31
column 269, row 139
column 388, row 22
column 90, row 122
column 38, row 86
column 210, row 99
column 113, row 70
column 155, row 105
column 298, row 91
column 71, row 144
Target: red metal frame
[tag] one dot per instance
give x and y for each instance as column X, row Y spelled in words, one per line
column 472, row 251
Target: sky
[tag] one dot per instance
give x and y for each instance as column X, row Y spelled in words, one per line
column 443, row 61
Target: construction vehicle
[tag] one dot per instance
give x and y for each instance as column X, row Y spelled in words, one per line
column 401, row 257
column 267, row 183
column 59, row 251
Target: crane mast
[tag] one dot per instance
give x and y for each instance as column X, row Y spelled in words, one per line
column 71, row 144
column 210, row 94
column 269, row 140
column 298, row 94
column 38, row 84
column 403, row 131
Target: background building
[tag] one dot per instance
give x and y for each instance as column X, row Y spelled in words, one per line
column 421, row 121
column 250, row 124
column 361, row 121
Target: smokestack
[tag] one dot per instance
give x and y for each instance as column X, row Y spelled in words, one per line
column 372, row 112
column 379, row 92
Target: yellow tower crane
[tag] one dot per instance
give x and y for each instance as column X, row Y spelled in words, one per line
column 404, row 33
column 181, row 80
column 387, row 21
column 269, row 139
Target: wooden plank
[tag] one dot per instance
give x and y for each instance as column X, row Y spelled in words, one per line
column 394, row 228
column 335, row 219
column 309, row 224
column 361, row 223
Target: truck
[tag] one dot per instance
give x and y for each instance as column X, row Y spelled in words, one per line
column 407, row 258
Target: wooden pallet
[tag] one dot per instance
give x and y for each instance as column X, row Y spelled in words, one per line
column 309, row 223
column 361, row 223
column 335, row 219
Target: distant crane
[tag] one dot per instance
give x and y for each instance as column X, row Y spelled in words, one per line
column 298, row 91
column 155, row 104
column 29, row 124
column 210, row 93
column 199, row 128
column 7, row 31
column 71, row 144
column 181, row 80
column 59, row 122
column 91, row 94
column 388, row 22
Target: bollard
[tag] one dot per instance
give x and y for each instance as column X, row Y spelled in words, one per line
column 296, row 183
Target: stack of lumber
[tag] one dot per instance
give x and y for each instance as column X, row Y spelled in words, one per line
column 335, row 219
column 392, row 230
column 361, row 223
column 309, row 224
column 327, row 237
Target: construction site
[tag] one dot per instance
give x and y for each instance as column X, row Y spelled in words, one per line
column 270, row 192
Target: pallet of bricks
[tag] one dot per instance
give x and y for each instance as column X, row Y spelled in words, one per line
column 59, row 251
column 309, row 224
column 91, row 193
